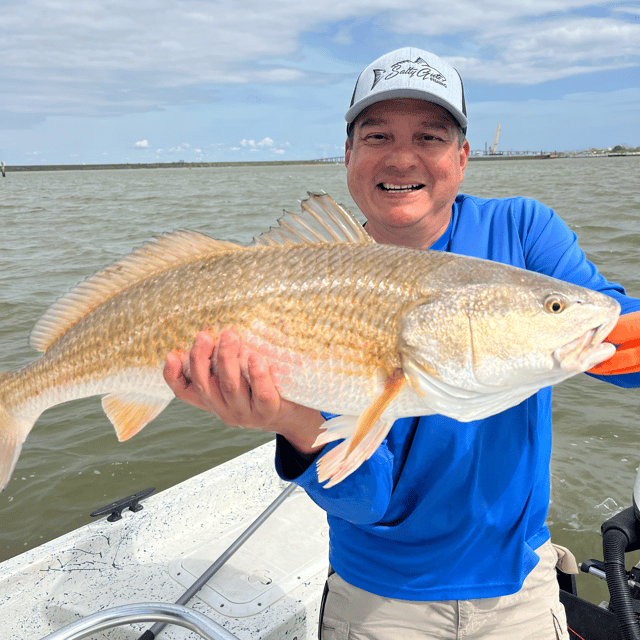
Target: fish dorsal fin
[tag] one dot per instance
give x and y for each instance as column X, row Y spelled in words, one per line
column 165, row 252
column 322, row 220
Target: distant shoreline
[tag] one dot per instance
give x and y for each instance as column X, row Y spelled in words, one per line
column 156, row 165
column 199, row 165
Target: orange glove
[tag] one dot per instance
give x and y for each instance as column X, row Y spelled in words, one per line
column 626, row 335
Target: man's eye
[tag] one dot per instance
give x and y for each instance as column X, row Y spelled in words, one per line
column 375, row 138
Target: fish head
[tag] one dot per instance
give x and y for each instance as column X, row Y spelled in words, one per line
column 500, row 335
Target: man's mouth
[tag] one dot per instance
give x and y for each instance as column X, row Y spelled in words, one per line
column 399, row 188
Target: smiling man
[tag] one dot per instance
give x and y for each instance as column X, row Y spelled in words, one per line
column 441, row 533
column 405, row 161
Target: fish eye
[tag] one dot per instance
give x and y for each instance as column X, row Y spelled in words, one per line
column 555, row 304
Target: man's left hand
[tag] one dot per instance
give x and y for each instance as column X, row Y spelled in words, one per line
column 626, row 336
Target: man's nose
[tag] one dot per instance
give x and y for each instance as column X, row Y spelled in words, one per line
column 402, row 156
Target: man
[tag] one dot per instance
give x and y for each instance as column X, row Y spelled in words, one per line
column 446, row 537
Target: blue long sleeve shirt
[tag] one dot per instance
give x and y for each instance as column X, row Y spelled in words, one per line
column 445, row 510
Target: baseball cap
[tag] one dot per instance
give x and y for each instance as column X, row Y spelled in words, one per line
column 410, row 73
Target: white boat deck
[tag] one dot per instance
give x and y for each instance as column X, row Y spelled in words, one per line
column 269, row 589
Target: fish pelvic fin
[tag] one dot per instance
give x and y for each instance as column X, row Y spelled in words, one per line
column 337, row 464
column 322, row 220
column 131, row 411
column 155, row 257
column 367, row 433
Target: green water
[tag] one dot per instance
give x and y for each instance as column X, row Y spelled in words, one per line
column 58, row 228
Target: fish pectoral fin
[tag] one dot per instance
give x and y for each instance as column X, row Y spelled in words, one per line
column 370, row 429
column 372, row 413
column 130, row 411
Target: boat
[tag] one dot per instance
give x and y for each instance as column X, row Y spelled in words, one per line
column 269, row 589
column 234, row 553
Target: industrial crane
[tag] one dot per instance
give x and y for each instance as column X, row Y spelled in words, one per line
column 495, row 142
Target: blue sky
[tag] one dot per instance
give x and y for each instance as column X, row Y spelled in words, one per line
column 95, row 81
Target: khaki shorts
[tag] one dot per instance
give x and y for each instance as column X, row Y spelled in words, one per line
column 533, row 613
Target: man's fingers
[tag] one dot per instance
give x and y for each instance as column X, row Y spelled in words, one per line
column 226, row 378
column 264, row 394
column 625, row 360
column 627, row 329
column 173, row 371
column 200, row 360
column 228, row 364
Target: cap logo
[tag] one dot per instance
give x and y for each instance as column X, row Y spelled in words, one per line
column 418, row 68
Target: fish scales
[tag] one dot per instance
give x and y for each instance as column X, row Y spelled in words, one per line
column 307, row 293
column 374, row 332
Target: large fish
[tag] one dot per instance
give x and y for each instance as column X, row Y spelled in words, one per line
column 372, row 332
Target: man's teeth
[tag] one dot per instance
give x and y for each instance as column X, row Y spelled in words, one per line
column 396, row 187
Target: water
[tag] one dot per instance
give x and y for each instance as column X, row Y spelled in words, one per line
column 58, row 228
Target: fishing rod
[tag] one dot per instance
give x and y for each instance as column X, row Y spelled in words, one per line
column 150, row 634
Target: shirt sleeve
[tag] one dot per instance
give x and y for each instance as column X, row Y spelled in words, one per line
column 361, row 498
column 550, row 247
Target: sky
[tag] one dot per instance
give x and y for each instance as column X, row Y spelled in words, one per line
column 114, row 81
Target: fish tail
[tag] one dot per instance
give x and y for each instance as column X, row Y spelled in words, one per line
column 13, row 432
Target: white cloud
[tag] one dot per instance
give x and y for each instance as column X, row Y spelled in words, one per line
column 143, row 144
column 252, row 145
column 204, row 69
column 343, row 37
column 61, row 58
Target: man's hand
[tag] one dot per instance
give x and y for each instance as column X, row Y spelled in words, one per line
column 626, row 335
column 235, row 383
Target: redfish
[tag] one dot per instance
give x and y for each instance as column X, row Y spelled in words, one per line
column 371, row 332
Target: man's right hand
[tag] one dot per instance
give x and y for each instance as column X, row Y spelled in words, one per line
column 214, row 377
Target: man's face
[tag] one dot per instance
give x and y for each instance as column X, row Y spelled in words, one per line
column 404, row 170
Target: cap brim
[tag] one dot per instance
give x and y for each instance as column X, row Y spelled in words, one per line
column 392, row 94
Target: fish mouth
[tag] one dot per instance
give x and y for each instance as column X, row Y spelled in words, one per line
column 389, row 187
column 587, row 350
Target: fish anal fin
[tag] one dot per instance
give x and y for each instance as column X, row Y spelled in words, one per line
column 372, row 413
column 131, row 411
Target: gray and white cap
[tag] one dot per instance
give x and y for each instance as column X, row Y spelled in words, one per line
column 410, row 73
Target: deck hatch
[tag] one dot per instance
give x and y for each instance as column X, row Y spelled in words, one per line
column 279, row 556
